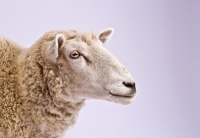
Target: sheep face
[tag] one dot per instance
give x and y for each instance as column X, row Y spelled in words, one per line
column 91, row 70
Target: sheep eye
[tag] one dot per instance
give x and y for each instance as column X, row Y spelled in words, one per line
column 74, row 54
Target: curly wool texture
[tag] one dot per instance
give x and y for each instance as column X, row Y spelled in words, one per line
column 10, row 101
column 33, row 98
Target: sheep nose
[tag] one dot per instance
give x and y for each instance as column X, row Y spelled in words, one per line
column 129, row 84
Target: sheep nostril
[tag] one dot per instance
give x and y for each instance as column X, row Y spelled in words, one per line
column 129, row 84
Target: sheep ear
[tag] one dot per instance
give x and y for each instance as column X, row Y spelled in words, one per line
column 53, row 49
column 105, row 35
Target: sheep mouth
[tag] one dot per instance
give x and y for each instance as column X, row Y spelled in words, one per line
column 123, row 96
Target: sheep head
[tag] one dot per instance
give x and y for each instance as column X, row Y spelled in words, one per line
column 91, row 71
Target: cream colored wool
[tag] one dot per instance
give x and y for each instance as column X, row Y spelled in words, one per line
column 41, row 94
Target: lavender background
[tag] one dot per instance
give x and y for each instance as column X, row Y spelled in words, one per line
column 158, row 41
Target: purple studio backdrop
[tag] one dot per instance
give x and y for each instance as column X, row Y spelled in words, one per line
column 158, row 41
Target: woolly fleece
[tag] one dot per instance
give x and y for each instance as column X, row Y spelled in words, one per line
column 28, row 107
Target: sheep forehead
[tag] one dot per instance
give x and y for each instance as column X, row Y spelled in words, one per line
column 87, row 42
column 87, row 38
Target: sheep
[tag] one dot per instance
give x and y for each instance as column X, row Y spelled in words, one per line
column 43, row 88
